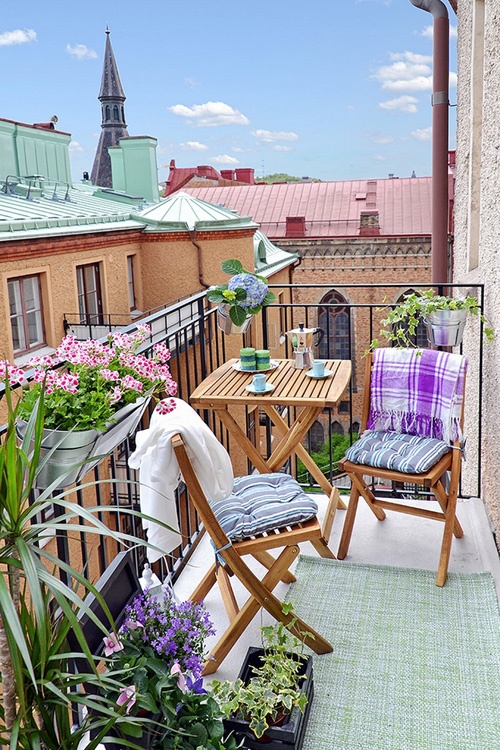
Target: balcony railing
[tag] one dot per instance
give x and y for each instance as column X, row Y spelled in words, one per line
column 197, row 346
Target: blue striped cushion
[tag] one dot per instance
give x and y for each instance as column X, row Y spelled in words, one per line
column 410, row 454
column 261, row 502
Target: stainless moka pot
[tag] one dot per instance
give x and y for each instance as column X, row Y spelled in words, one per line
column 302, row 340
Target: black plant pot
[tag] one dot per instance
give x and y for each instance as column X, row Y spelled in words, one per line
column 288, row 736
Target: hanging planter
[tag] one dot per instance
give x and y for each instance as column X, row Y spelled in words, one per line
column 240, row 299
column 444, row 317
column 446, row 327
column 73, row 453
column 227, row 326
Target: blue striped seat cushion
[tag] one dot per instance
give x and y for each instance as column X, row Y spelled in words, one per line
column 262, row 502
column 410, row 454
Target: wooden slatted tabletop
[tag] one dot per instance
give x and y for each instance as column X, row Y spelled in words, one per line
column 292, row 387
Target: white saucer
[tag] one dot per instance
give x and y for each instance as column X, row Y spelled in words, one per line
column 272, row 366
column 269, row 388
column 327, row 374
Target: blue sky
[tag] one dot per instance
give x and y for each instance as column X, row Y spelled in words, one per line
column 333, row 89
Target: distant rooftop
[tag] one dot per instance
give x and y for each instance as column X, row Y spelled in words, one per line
column 401, row 206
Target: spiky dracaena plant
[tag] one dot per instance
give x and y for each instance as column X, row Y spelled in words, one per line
column 37, row 608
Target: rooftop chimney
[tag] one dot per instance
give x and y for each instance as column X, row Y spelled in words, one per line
column 295, row 226
column 245, row 175
column 227, row 174
column 369, row 224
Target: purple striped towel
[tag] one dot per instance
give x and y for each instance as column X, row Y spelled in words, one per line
column 418, row 392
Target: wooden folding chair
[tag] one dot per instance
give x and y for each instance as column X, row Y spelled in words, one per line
column 229, row 560
column 443, row 485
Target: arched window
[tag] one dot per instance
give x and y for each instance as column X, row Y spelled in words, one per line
column 337, row 428
column 334, row 320
column 106, row 112
column 116, row 116
column 355, row 427
column 316, row 436
column 420, row 337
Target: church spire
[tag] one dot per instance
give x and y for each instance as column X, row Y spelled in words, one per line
column 113, row 125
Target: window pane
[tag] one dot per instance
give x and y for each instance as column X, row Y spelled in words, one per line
column 26, row 316
column 18, row 341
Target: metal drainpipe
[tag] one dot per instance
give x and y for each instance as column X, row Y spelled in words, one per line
column 192, row 236
column 440, row 103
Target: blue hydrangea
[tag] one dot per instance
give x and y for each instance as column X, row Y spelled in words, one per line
column 255, row 288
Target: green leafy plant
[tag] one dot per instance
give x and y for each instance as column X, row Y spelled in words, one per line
column 38, row 608
column 157, row 658
column 274, row 687
column 246, row 293
column 401, row 322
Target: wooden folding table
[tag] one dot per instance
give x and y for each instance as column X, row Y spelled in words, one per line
column 293, row 389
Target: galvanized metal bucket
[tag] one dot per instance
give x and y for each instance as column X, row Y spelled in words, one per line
column 226, row 324
column 446, row 327
column 72, row 454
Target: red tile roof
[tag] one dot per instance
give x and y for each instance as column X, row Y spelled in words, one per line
column 331, row 209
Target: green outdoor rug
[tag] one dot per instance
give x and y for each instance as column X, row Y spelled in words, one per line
column 414, row 666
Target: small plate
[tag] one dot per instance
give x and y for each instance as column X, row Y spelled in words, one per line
column 269, row 388
column 328, row 374
column 272, row 366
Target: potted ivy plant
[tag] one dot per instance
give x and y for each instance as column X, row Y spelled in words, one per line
column 244, row 296
column 270, row 699
column 444, row 317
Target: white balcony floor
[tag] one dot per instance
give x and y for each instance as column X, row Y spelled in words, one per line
column 400, row 540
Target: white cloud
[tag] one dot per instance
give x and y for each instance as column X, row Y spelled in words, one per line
column 428, row 32
column 268, row 136
column 378, row 157
column 210, row 114
column 193, row 146
column 239, row 150
column 402, row 103
column 81, row 52
column 191, row 82
column 408, row 72
column 422, row 134
column 380, row 138
column 74, row 147
column 224, row 159
column 278, row 147
column 18, row 36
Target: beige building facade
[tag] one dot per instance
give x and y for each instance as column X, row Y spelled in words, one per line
column 477, row 234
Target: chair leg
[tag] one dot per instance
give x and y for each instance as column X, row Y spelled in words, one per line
column 368, row 496
column 345, row 539
column 451, row 524
column 331, row 509
column 205, row 585
column 227, row 594
column 261, row 595
column 267, row 560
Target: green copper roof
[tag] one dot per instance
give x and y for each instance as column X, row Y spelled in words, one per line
column 62, row 209
column 181, row 212
column 270, row 258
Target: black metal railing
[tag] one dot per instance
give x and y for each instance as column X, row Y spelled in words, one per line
column 189, row 330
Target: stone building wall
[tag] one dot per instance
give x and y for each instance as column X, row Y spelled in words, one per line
column 477, row 235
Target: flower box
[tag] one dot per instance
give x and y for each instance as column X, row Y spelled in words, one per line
column 74, row 453
column 288, row 736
